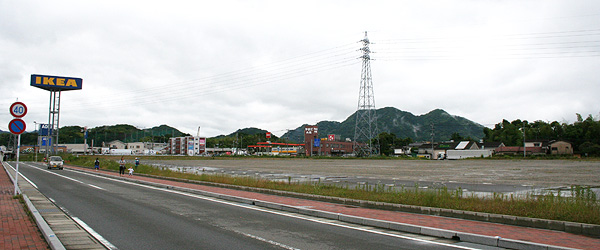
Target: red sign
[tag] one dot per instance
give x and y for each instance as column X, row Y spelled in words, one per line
column 17, row 126
column 331, row 137
column 268, row 135
column 18, row 109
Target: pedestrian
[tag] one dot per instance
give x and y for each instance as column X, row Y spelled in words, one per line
column 122, row 166
column 130, row 171
column 97, row 164
column 137, row 162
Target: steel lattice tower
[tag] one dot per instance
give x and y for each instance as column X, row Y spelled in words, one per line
column 366, row 141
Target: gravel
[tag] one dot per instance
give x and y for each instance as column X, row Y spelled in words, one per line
column 541, row 173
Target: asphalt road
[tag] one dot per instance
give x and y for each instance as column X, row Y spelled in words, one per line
column 132, row 216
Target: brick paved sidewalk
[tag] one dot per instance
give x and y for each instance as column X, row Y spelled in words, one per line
column 17, row 231
column 542, row 236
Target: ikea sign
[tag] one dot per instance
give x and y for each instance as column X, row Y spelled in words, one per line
column 56, row 82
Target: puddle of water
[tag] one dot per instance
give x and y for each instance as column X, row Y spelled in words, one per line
column 342, row 181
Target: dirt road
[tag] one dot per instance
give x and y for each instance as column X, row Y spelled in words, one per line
column 541, row 173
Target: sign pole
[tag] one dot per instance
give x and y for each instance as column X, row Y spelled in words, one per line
column 46, row 152
column 17, row 127
column 17, row 167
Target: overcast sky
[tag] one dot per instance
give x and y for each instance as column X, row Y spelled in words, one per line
column 275, row 65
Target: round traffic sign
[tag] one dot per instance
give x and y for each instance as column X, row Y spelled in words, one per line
column 17, row 126
column 18, row 109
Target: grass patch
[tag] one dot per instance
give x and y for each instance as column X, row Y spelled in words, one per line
column 581, row 205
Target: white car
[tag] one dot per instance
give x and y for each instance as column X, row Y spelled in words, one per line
column 55, row 162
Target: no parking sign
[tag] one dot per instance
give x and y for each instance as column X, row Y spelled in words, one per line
column 17, row 126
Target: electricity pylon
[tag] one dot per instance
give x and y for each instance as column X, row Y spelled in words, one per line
column 366, row 141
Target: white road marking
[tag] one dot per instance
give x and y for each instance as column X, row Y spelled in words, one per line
column 100, row 238
column 22, row 176
column 96, row 235
column 267, row 241
column 246, row 206
column 68, row 178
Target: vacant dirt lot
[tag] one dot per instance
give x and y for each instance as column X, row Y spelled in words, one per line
column 511, row 172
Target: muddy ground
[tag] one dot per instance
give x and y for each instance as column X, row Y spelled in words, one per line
column 541, row 173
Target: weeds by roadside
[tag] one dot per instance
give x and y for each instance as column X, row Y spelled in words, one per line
column 581, row 205
column 25, row 207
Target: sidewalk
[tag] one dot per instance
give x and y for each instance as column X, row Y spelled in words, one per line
column 17, row 231
column 512, row 236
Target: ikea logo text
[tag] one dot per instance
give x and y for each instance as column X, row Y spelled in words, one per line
column 56, row 83
column 59, row 81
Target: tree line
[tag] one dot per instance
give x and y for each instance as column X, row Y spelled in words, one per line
column 584, row 134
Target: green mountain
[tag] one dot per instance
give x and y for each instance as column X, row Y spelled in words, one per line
column 122, row 132
column 249, row 131
column 401, row 123
column 103, row 134
column 391, row 120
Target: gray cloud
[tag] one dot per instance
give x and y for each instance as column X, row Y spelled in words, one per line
column 276, row 65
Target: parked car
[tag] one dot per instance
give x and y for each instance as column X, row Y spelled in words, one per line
column 55, row 162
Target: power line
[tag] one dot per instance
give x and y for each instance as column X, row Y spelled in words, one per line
column 559, row 44
column 341, row 56
column 574, row 33
column 232, row 84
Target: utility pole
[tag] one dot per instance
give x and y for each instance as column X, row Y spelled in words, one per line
column 432, row 146
column 85, row 134
column 366, row 142
column 36, row 147
column 524, row 144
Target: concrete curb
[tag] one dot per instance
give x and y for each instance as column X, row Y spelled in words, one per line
column 569, row 227
column 48, row 233
column 402, row 227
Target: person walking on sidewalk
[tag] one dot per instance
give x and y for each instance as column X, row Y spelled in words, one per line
column 97, row 164
column 122, row 166
column 130, row 171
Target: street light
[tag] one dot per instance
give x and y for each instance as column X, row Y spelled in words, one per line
column 38, row 140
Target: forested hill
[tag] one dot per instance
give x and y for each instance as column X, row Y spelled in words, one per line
column 122, row 132
column 403, row 124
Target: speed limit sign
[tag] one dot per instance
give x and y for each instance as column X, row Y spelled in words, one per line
column 18, row 109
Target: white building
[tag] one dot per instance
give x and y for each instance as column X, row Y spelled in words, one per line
column 189, row 145
column 137, row 148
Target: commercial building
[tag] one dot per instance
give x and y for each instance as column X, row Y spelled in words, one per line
column 188, row 145
column 116, row 144
column 276, row 148
column 332, row 145
column 313, row 145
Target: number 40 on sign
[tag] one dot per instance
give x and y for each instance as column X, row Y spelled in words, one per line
column 18, row 109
